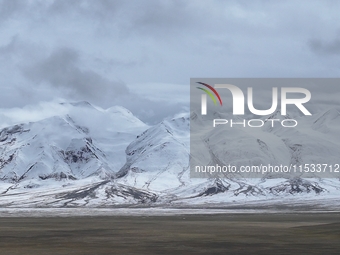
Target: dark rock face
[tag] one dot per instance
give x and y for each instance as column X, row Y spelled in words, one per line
column 295, row 186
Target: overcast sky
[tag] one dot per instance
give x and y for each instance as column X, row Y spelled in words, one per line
column 142, row 54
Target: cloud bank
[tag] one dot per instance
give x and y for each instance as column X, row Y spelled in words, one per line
column 142, row 54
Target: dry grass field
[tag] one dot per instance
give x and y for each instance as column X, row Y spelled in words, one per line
column 187, row 234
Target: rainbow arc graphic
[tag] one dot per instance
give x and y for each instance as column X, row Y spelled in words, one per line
column 212, row 93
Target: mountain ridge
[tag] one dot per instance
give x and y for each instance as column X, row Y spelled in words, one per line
column 88, row 156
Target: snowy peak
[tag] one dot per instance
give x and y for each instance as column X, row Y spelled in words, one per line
column 328, row 123
column 84, row 142
column 46, row 149
column 160, row 154
column 79, row 104
column 329, row 118
column 120, row 110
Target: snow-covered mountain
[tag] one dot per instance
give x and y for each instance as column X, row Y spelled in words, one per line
column 83, row 155
column 82, row 143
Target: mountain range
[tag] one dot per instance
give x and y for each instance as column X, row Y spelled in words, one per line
column 86, row 156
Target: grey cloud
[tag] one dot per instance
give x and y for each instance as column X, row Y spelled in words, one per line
column 151, row 111
column 109, row 64
column 61, row 70
column 99, row 8
column 10, row 8
column 89, row 49
column 329, row 48
column 10, row 48
column 156, row 19
column 162, row 17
